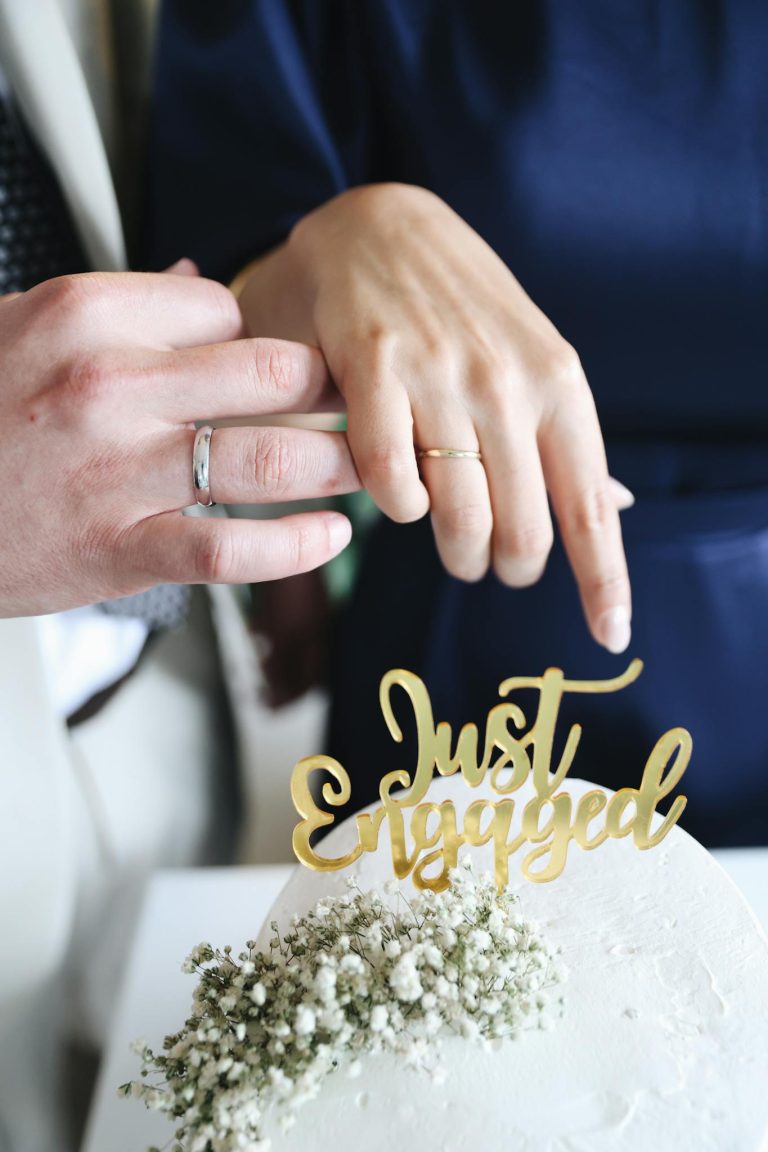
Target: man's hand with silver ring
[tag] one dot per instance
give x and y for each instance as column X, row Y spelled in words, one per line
column 104, row 378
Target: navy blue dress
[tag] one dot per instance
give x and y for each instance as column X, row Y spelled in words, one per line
column 616, row 157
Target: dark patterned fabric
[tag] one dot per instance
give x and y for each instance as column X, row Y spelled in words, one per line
column 163, row 606
column 37, row 242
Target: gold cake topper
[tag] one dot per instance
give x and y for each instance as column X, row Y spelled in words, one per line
column 549, row 821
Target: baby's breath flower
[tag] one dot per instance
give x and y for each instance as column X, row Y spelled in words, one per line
column 304, row 1024
column 379, row 1018
column 404, row 979
column 356, row 975
column 480, row 940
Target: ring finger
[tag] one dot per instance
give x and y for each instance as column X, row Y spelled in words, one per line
column 251, row 466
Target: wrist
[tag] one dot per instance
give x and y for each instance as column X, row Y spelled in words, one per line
column 365, row 206
column 274, row 296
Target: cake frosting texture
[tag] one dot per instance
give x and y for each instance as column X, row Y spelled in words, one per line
column 664, row 1040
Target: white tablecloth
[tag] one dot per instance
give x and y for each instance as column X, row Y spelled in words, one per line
column 225, row 906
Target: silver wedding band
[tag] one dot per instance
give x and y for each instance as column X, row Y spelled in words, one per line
column 201, row 466
column 449, row 454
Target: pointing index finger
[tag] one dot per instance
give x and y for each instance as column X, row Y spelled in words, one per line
column 577, row 477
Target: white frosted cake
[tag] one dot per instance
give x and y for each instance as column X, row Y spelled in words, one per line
column 579, row 976
column 662, row 1045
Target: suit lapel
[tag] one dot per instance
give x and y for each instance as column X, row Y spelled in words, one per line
column 36, row 854
column 40, row 62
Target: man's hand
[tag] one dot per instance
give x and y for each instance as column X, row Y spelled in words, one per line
column 103, row 377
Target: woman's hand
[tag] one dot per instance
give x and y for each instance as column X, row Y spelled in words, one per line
column 102, row 378
column 434, row 344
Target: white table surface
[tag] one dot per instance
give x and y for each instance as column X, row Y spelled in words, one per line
column 225, row 906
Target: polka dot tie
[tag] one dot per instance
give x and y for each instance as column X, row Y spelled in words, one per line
column 38, row 241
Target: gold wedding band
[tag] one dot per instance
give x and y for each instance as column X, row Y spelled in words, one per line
column 449, row 454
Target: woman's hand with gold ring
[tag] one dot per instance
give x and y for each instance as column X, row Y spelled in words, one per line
column 433, row 342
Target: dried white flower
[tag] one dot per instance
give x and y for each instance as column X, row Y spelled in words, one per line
column 379, row 1018
column 304, row 1024
column 351, row 977
column 258, row 994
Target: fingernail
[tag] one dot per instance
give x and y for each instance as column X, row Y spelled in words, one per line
column 613, row 630
column 339, row 530
column 622, row 496
column 183, row 267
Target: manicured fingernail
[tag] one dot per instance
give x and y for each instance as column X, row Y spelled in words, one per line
column 339, row 530
column 613, row 630
column 622, row 496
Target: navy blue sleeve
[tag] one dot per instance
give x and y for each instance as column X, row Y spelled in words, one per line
column 259, row 115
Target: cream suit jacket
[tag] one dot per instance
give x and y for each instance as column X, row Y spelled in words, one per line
column 153, row 746
column 84, row 815
column 36, row 884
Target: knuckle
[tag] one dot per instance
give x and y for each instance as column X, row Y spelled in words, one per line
column 437, row 357
column 526, row 542
column 371, row 354
column 562, row 368
column 214, row 559
column 499, row 379
column 492, row 393
column 592, row 513
column 493, row 356
column 274, row 463
column 85, row 382
column 466, row 520
column 69, row 299
column 436, row 350
column 388, row 464
column 273, row 373
column 303, row 549
column 607, row 587
column 565, row 364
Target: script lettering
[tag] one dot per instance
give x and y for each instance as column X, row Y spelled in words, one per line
column 426, row 837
